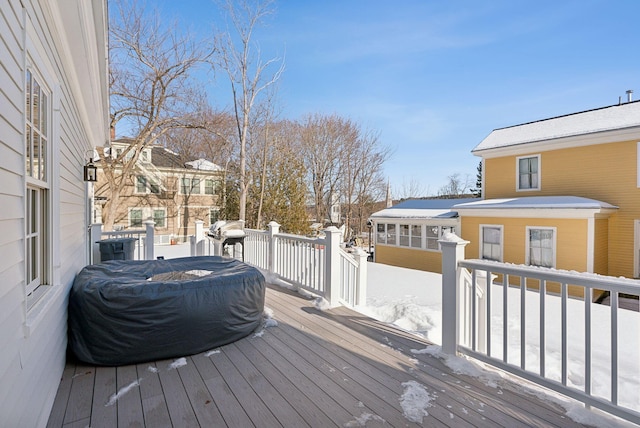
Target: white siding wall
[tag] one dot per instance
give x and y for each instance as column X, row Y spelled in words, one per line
column 33, row 345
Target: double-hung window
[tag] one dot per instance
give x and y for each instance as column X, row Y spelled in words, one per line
column 404, row 235
column 541, row 246
column 491, row 243
column 210, row 186
column 135, row 217
column 528, row 172
column 38, row 177
column 386, row 233
column 190, row 186
column 416, row 236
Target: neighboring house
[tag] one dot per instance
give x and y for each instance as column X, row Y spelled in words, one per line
column 167, row 188
column 54, row 109
column 561, row 193
column 407, row 234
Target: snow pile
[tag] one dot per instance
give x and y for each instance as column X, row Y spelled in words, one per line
column 267, row 322
column 361, row 421
column 212, row 352
column 415, row 401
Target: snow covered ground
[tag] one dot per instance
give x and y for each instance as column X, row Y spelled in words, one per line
column 412, row 300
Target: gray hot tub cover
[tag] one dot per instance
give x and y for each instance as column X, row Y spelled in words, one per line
column 125, row 311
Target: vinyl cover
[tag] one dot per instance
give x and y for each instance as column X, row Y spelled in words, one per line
column 131, row 311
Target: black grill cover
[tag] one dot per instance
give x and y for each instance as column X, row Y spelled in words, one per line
column 131, row 311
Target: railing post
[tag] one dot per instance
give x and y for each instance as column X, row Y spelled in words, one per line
column 361, row 285
column 199, row 246
column 95, row 234
column 149, row 239
column 332, row 255
column 452, row 252
column 274, row 229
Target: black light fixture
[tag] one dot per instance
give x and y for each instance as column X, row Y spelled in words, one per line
column 90, row 171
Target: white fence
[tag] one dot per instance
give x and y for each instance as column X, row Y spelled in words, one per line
column 318, row 265
column 545, row 328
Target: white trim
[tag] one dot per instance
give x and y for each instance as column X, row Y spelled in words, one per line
column 582, row 140
column 527, row 243
column 636, row 248
column 481, row 239
column 638, row 164
column 546, row 212
column 591, row 237
column 531, row 189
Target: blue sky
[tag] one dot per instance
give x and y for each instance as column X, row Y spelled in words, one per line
column 435, row 77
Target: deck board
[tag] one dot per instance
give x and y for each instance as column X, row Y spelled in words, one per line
column 315, row 368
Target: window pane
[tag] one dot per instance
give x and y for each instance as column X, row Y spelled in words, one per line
column 185, row 184
column 195, row 186
column 158, row 217
column 141, row 184
column 416, row 236
column 404, row 235
column 208, row 187
column 213, row 215
column 382, row 233
column 28, row 154
column 391, row 234
column 35, row 99
column 135, row 218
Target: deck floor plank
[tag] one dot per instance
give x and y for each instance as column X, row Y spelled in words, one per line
column 230, row 408
column 315, row 368
column 154, row 406
column 178, row 404
column 104, row 387
column 128, row 399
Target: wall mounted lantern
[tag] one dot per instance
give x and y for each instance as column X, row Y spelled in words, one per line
column 90, row 171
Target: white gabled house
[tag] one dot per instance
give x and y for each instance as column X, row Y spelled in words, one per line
column 54, row 109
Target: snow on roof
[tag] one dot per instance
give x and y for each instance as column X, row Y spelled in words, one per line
column 610, row 118
column 422, row 208
column 541, row 202
column 204, row 165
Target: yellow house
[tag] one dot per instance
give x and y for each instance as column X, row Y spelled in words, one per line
column 407, row 234
column 562, row 193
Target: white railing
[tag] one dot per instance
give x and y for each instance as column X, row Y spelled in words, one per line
column 542, row 325
column 317, row 265
column 143, row 245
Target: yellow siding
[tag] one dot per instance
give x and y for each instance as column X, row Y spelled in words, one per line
column 606, row 172
column 571, row 239
column 430, row 261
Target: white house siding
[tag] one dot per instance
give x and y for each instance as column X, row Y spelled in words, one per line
column 34, row 344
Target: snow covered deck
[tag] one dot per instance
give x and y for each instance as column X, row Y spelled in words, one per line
column 315, row 368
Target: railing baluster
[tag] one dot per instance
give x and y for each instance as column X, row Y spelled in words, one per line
column 543, row 330
column 614, row 347
column 505, row 316
column 563, row 294
column 588, row 293
column 523, row 316
column 488, row 313
column 474, row 291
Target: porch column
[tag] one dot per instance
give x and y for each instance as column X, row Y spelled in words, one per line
column 332, row 258
column 149, row 239
column 452, row 252
column 274, row 229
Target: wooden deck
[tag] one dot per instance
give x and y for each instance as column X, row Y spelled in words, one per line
column 314, row 369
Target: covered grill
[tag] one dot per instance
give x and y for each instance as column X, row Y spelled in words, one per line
column 227, row 233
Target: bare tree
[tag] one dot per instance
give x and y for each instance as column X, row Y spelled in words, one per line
column 247, row 76
column 456, row 187
column 412, row 189
column 151, row 92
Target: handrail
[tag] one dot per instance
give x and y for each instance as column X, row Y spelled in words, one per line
column 532, row 283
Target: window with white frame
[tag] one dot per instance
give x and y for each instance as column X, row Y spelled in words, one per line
column 404, row 237
column 159, row 217
column 38, row 166
column 541, row 246
column 386, row 233
column 145, row 185
column 135, row 217
column 190, row 186
column 491, row 242
column 433, row 234
column 416, row 236
column 528, row 171
column 214, row 215
column 210, row 186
